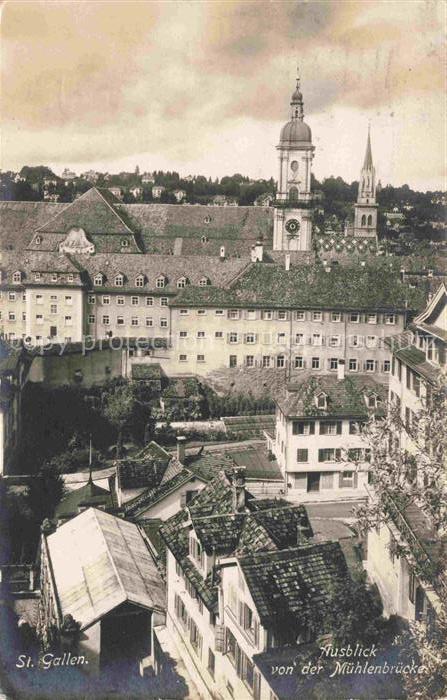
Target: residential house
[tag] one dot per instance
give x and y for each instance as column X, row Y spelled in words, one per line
column 180, row 195
column 68, row 174
column 147, row 179
column 229, row 560
column 412, row 585
column 157, row 191
column 264, row 200
column 318, row 439
column 101, row 602
column 221, row 200
column 136, row 192
column 116, row 191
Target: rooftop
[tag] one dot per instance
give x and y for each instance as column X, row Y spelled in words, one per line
column 309, row 286
column 88, row 495
column 344, row 398
column 108, row 565
column 285, row 584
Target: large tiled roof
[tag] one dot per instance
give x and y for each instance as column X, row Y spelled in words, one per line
column 286, row 584
column 306, row 286
column 30, row 262
column 108, row 564
column 219, row 273
column 255, row 459
column 94, row 211
column 19, row 221
column 168, row 221
column 266, row 526
column 344, row 397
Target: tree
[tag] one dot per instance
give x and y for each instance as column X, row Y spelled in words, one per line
column 126, row 411
column 401, row 477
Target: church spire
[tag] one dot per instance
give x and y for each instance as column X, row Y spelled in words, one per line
column 368, row 162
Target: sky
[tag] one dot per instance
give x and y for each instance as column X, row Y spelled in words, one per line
column 204, row 87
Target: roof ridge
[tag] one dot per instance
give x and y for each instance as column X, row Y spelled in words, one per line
column 109, row 554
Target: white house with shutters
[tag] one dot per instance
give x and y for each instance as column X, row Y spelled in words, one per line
column 318, row 442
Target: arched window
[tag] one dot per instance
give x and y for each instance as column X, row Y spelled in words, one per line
column 119, row 280
column 370, row 220
column 363, row 220
column 293, row 194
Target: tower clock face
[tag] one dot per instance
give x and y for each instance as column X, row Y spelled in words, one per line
column 292, row 226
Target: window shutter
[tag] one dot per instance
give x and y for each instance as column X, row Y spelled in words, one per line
column 304, row 364
column 323, row 340
column 376, row 365
column 312, row 428
column 256, row 337
column 364, row 365
column 256, row 633
column 339, row 424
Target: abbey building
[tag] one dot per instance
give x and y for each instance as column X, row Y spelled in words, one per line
column 251, row 281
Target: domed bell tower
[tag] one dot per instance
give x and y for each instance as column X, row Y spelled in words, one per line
column 292, row 224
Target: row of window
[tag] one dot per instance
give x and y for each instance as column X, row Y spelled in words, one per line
column 141, row 280
column 354, row 454
column 316, row 339
column 307, row 427
column 121, row 301
column 321, row 481
column 134, row 321
column 17, row 277
column 316, row 316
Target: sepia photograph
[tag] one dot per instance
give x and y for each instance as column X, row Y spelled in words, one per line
column 223, row 330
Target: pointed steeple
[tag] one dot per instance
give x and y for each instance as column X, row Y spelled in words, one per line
column 368, row 162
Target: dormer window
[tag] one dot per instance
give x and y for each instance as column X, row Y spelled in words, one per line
column 17, row 277
column 321, row 400
column 70, row 278
column 37, row 276
column 38, row 240
column 204, row 239
column 119, row 280
column 203, row 282
column 98, row 280
column 160, row 282
column 54, row 277
column 124, row 243
column 182, row 282
column 139, row 281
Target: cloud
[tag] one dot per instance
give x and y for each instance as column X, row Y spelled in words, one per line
column 100, row 82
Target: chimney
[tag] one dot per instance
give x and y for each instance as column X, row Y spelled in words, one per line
column 181, row 443
column 237, row 478
column 402, row 274
column 253, row 255
column 222, row 252
column 287, row 262
column 327, row 267
column 341, row 369
column 259, row 249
